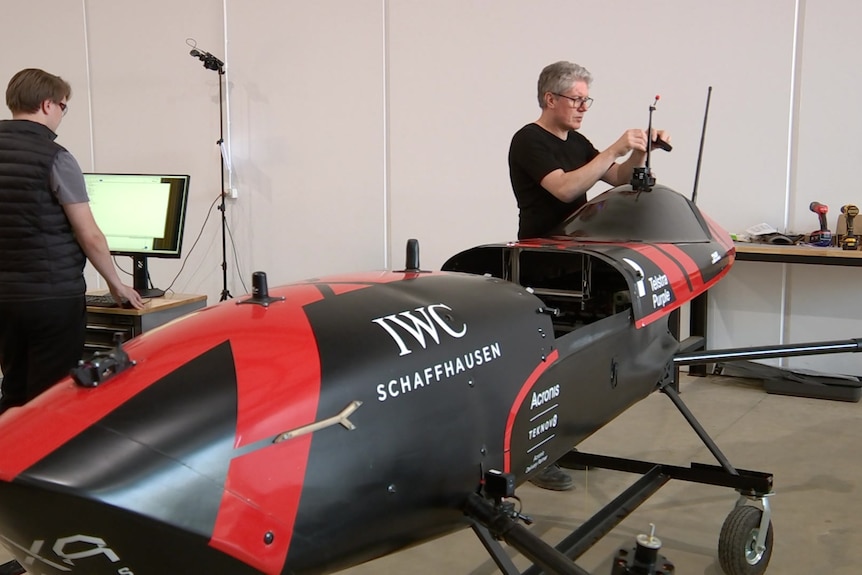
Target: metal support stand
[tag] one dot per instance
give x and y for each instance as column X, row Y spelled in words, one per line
column 501, row 525
column 225, row 293
column 212, row 63
column 493, row 522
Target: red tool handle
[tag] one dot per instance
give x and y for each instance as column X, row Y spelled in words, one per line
column 820, row 210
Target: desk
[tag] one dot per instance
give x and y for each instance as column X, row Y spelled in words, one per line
column 797, row 255
column 104, row 322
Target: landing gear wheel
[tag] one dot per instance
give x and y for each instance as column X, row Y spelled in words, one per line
column 737, row 545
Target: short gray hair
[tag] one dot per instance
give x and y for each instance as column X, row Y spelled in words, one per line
column 560, row 77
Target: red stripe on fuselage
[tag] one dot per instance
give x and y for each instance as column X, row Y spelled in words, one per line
column 31, row 432
column 676, row 276
column 719, row 234
column 690, row 266
column 516, row 406
column 664, row 311
column 339, row 289
column 278, row 386
column 278, row 380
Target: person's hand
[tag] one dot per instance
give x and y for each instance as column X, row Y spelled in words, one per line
column 660, row 135
column 124, row 292
column 634, row 139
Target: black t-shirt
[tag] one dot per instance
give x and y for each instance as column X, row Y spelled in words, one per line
column 533, row 154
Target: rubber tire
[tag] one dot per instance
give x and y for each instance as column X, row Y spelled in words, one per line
column 736, row 540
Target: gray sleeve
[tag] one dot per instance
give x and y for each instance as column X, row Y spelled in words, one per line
column 67, row 181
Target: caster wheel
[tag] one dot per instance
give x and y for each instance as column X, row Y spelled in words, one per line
column 737, row 544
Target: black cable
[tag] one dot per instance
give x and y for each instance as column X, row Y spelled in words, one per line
column 117, row 265
column 195, row 243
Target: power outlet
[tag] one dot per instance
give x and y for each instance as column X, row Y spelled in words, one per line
column 232, row 193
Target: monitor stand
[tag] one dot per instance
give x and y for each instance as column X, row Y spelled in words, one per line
column 142, row 278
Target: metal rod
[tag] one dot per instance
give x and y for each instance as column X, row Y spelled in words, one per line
column 700, row 151
column 495, row 550
column 698, row 428
column 766, row 352
column 649, row 136
column 519, row 537
column 225, row 293
column 600, row 524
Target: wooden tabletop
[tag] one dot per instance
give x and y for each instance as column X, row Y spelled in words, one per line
column 799, row 254
column 166, row 302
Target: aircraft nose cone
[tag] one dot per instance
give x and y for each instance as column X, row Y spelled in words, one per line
column 54, row 531
column 47, row 542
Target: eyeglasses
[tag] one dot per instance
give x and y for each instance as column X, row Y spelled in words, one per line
column 63, row 107
column 577, row 102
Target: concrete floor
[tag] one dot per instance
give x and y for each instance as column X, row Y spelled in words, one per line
column 811, row 446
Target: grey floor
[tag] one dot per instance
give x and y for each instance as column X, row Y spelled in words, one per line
column 811, row 446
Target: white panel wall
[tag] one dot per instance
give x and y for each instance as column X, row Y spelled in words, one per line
column 57, row 44
column 463, row 80
column 155, row 110
column 307, row 132
column 807, row 303
column 824, row 299
column 304, row 117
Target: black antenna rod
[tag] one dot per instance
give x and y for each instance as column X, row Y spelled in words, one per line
column 700, row 151
column 649, row 132
column 642, row 179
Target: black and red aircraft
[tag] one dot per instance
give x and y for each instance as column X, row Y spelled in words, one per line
column 328, row 422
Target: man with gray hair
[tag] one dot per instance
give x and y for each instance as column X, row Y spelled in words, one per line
column 552, row 166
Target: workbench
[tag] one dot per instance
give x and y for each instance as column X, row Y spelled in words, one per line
column 104, row 322
column 754, row 252
column 798, row 254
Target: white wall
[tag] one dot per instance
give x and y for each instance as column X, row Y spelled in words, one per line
column 463, row 80
column 799, row 303
column 357, row 125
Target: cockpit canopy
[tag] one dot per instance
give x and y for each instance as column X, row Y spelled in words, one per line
column 623, row 215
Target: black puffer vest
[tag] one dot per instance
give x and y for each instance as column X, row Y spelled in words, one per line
column 39, row 256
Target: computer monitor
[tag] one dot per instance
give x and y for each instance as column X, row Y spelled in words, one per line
column 142, row 216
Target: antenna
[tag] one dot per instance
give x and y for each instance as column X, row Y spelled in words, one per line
column 649, row 132
column 642, row 179
column 700, row 151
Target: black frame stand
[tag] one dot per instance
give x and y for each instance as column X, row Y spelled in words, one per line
column 212, row 63
column 492, row 521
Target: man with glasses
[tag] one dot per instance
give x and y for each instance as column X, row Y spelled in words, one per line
column 47, row 232
column 552, row 166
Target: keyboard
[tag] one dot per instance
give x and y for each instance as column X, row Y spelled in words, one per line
column 105, row 300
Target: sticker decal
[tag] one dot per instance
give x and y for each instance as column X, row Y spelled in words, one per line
column 639, row 272
column 659, row 298
column 542, row 423
column 438, row 372
column 418, row 326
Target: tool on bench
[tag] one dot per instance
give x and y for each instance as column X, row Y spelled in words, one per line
column 849, row 241
column 821, row 237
